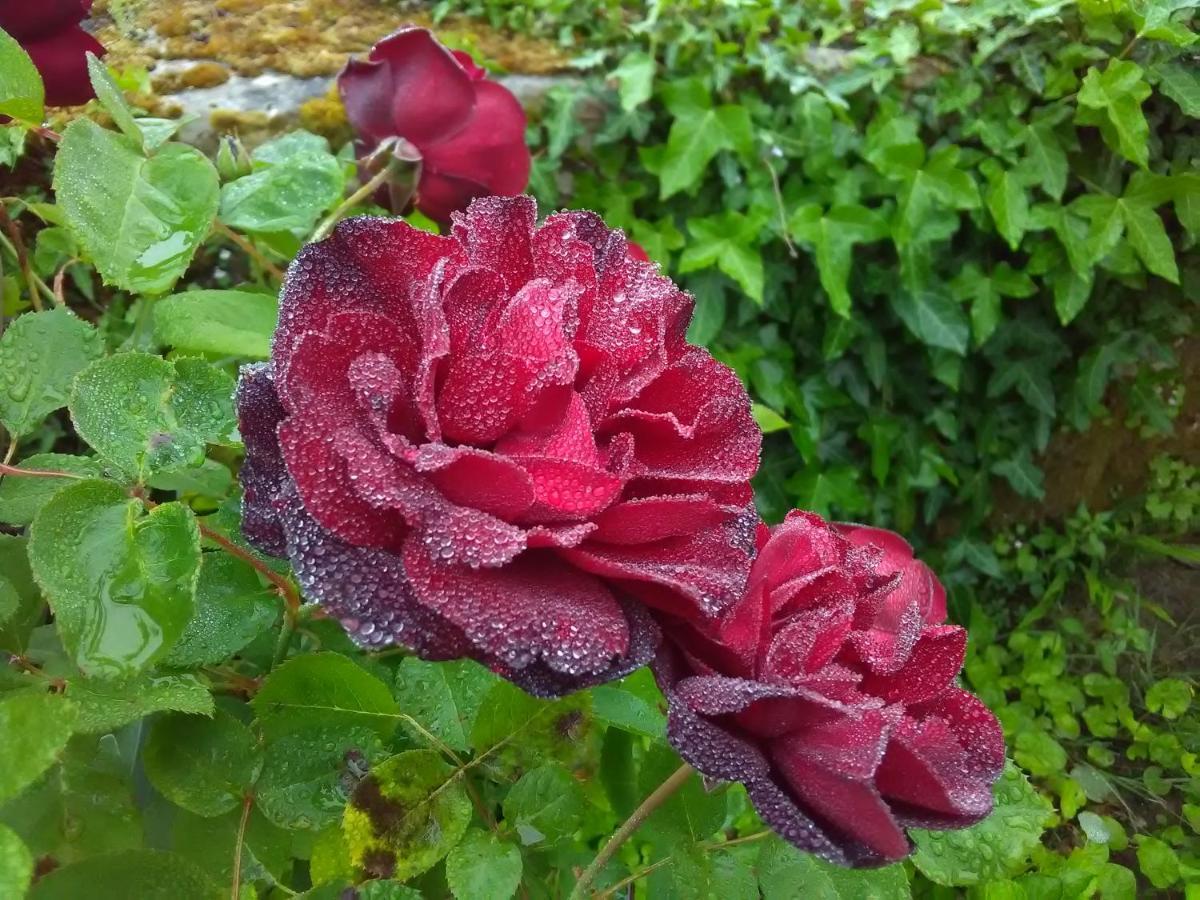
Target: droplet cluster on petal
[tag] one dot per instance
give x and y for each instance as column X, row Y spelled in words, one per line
column 498, row 443
column 829, row 689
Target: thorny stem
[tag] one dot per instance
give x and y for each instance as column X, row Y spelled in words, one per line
column 248, row 247
column 236, row 890
column 378, row 180
column 660, row 794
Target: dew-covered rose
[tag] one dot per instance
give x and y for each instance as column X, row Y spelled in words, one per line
column 50, row 33
column 829, row 691
column 468, row 131
column 498, row 444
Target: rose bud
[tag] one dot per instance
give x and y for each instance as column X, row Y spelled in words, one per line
column 498, row 444
column 49, row 31
column 468, row 132
column 829, row 691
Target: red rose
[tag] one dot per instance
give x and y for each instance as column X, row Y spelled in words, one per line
column 49, row 32
column 637, row 251
column 468, row 131
column 829, row 690
column 498, row 444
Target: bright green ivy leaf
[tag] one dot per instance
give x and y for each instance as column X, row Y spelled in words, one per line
column 204, row 765
column 1118, row 92
column 635, row 79
column 36, row 727
column 993, row 849
column 1009, row 205
column 21, row 93
column 227, row 323
column 16, row 864
column 21, row 498
column 120, row 582
column 699, row 131
column 483, row 867
column 1149, row 238
column 728, row 241
column 782, row 869
column 832, row 235
column 232, row 609
column 934, row 317
column 149, row 415
column 1181, row 83
column 546, row 805
column 40, row 355
column 405, row 815
column 144, row 874
column 323, row 690
column 1169, row 697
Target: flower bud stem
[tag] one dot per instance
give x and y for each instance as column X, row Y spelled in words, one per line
column 656, row 799
column 378, row 180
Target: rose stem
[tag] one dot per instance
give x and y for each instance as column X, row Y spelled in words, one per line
column 17, row 245
column 247, row 802
column 661, row 793
column 378, row 180
column 253, row 252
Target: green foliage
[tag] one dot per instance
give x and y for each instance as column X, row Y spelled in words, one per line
column 40, row 355
column 21, row 92
column 226, row 323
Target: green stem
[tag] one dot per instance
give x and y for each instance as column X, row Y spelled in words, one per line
column 378, row 180
column 661, row 793
column 285, row 638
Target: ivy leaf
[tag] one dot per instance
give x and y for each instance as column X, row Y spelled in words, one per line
column 781, row 867
column 832, row 236
column 232, row 609
column 699, row 131
column 635, row 79
column 145, row 874
column 1118, row 92
column 21, row 498
column 149, row 415
column 16, row 864
column 934, row 317
column 36, row 727
column 1072, row 290
column 729, row 241
column 993, row 849
column 139, row 219
column 444, row 697
column 1030, row 380
column 483, row 867
column 227, row 323
column 323, row 690
column 939, row 183
column 405, row 815
column 1181, row 84
column 40, row 355
column 204, row 765
column 120, row 583
column 307, row 776
column 1149, row 238
column 21, row 93
column 1008, row 204
column 1046, row 159
column 546, row 805
column 1021, row 473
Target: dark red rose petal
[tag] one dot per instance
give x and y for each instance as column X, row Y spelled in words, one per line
column 27, row 21
column 263, row 475
column 61, row 58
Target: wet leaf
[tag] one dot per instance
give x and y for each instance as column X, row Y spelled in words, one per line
column 228, row 323
column 21, row 93
column 546, row 805
column 442, row 697
column 36, row 727
column 405, row 815
column 105, row 706
column 16, row 864
column 518, row 732
column 324, row 690
column 295, row 179
column 21, row 498
column 149, row 415
column 40, row 355
column 145, row 874
column 204, row 765
column 781, row 867
column 120, row 582
column 483, row 867
column 691, row 813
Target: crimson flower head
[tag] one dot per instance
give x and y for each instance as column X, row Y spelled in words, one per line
column 468, row 131
column 49, row 31
column 829, row 691
column 498, row 444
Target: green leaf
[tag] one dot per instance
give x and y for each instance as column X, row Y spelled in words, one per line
column 1158, row 861
column 545, row 806
column 232, row 609
column 1119, row 92
column 692, row 813
column 105, row 706
column 36, row 727
column 14, row 563
column 1072, row 290
column 1181, row 83
column 405, row 815
column 768, row 420
column 1009, row 206
column 781, row 868
column 699, row 131
column 21, row 498
column 21, row 93
column 934, row 317
column 148, row 415
column 144, row 874
column 307, row 776
column 120, row 583
column 620, row 708
column 139, row 219
column 295, row 179
column 483, row 867
column 443, row 697
column 16, row 865
column 635, row 79
column 832, row 235
column 730, row 242
column 204, row 765
column 323, row 690
column 1149, row 238
column 112, row 99
column 10, row 600
column 693, row 872
column 40, row 355
column 517, row 731
column 209, row 843
column 939, row 184
column 1169, row 697
column 1021, row 473
column 1046, row 159
column 227, row 323
column 993, row 849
